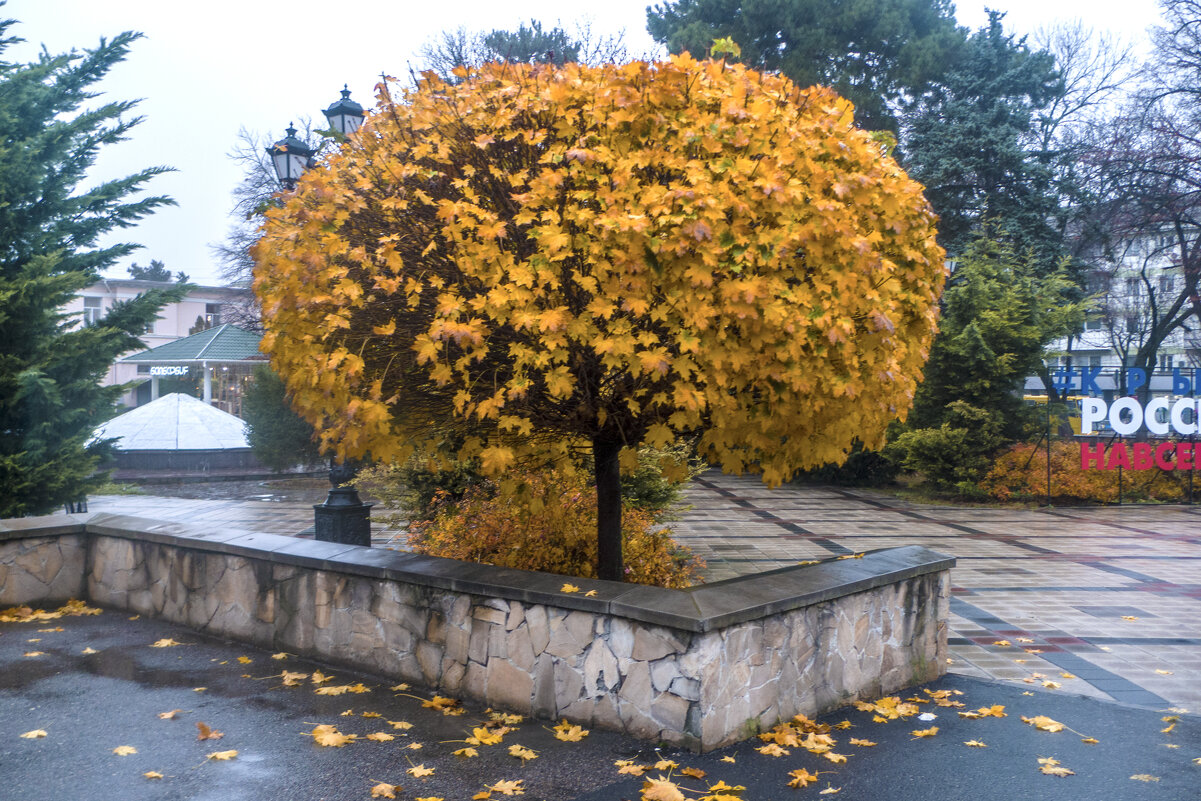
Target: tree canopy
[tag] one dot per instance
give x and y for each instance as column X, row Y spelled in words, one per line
column 876, row 53
column 50, row 366
column 606, row 257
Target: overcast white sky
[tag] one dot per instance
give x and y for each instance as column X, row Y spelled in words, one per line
column 208, row 68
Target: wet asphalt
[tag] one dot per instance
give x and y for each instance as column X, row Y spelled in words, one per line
column 90, row 704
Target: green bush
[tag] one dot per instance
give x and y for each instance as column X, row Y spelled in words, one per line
column 957, row 454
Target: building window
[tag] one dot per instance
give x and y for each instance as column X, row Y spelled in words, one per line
column 1167, row 284
column 1165, row 362
column 1132, row 322
column 212, row 315
column 93, row 310
column 1093, row 325
column 1094, row 361
column 1133, row 287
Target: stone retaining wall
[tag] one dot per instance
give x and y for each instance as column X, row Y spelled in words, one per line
column 700, row 668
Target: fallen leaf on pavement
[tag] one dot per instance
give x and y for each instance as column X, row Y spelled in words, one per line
column 384, row 790
column 801, row 778
column 661, row 789
column 1043, row 722
column 1144, row 777
column 124, row 750
column 975, row 744
column 420, row 771
column 222, row 756
column 152, row 774
column 33, row 735
column 166, row 642
column 206, row 733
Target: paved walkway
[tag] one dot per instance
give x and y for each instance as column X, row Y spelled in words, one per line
column 1102, row 602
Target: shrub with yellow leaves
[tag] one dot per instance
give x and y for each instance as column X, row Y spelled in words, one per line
column 538, row 260
column 549, row 527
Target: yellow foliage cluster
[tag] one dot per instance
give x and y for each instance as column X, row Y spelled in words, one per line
column 550, row 527
column 544, row 256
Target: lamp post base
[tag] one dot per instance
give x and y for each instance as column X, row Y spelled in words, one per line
column 343, row 517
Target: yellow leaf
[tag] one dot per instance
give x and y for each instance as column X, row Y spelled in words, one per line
column 1163, row 672
column 666, row 764
column 975, row 744
column 1043, row 722
column 245, row 660
column 1066, row 675
column 35, row 653
column 837, row 759
column 152, row 774
column 1003, row 643
column 729, row 759
column 341, row 689
column 381, row 737
column 661, row 789
column 372, row 715
column 862, row 743
column 1129, row 617
column 590, row 594
column 399, row 688
column 222, row 756
column 1168, row 728
column 89, row 650
column 199, row 689
column 627, row 766
column 1089, row 740
column 166, row 642
column 124, row 750
column 280, row 655
column 1144, row 777
column 293, row 679
column 169, row 715
column 206, row 733
column 466, row 752
column 33, row 735
column 930, row 732
column 403, row 725
column 329, row 737
column 420, row 771
column 570, row 733
column 429, row 798
column 569, row 588
column 320, row 678
column 522, row 753
column 384, row 790
column 830, row 790
column 801, row 778
column 846, row 724
column 414, row 746
column 507, row 787
column 773, row 750
column 695, row 773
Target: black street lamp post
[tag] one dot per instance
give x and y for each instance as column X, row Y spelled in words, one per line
column 343, row 517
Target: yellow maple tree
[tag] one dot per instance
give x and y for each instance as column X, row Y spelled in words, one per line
column 543, row 261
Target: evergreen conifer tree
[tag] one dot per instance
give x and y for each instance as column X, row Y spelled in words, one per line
column 50, row 227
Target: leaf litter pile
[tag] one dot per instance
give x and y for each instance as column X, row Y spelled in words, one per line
column 811, row 758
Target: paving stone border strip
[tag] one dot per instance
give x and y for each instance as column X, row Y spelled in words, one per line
column 699, row 668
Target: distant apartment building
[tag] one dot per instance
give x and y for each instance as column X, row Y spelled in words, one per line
column 203, row 308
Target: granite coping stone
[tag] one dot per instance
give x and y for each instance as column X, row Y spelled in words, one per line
column 698, row 609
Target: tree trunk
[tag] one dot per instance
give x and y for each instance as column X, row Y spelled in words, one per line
column 608, row 509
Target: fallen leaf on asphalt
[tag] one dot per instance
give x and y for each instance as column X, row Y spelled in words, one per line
column 851, row 556
column 414, row 746
column 1025, row 640
column 467, row 752
column 975, row 744
column 293, row 679
column 222, row 756
column 1003, row 643
column 420, row 771
column 384, row 790
column 199, row 689
column 1054, row 685
column 830, row 790
column 399, row 688
column 403, row 725
column 50, row 631
column 1043, row 722
column 359, row 688
column 33, row 735
column 666, row 764
column 124, row 750
column 862, row 743
column 1051, row 767
column 381, row 737
column 483, row 736
column 569, row 732
column 372, row 715
column 348, row 713
column 35, row 653
column 507, row 787
column 1129, row 617
column 280, row 655
column 320, row 678
column 1066, row 675
column 152, row 774
column 1144, row 777
column 844, row 725
column 695, row 773
column 329, row 737
column 340, row 689
column 661, row 789
column 801, row 778
column 772, row 750
column 627, row 766
column 930, row 732
column 1169, row 745
column 522, row 753
column 1033, row 650
column 733, row 761
column 206, row 733
column 446, row 706
column 1169, row 728
column 166, row 642
column 245, row 660
column 1197, row 761
column 837, row 759
column 1163, row 672
column 88, row 651
column 1089, row 740
column 429, row 798
column 809, row 562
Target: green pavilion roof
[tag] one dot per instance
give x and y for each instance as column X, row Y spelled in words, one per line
column 222, row 344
